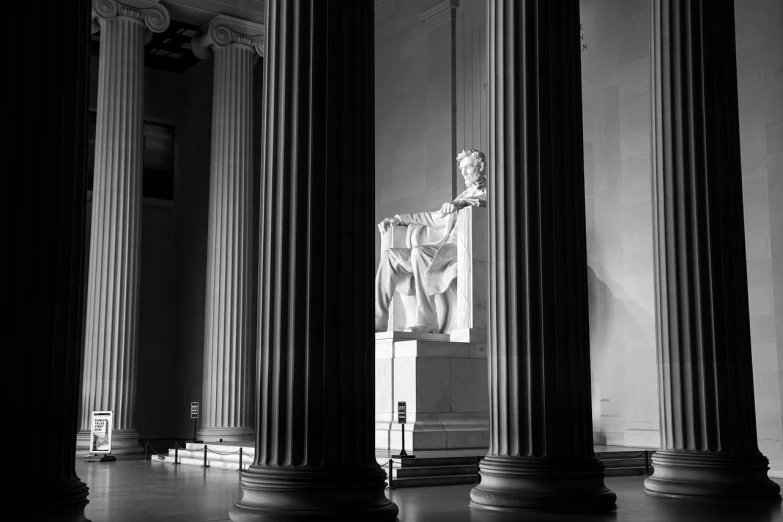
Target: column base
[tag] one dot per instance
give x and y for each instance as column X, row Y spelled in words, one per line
column 227, row 434
column 734, row 477
column 520, row 483
column 277, row 494
column 64, row 501
column 123, row 442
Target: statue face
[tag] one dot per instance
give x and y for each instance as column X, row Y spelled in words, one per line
column 469, row 171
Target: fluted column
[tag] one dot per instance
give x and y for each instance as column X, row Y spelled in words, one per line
column 47, row 93
column 315, row 455
column 111, row 332
column 541, row 446
column 708, row 421
column 228, row 356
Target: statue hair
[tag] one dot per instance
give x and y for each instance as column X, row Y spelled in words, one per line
column 478, row 157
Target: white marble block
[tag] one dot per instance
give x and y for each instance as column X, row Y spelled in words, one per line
column 472, row 275
column 444, row 385
column 394, row 237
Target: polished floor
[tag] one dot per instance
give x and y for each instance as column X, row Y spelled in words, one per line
column 139, row 491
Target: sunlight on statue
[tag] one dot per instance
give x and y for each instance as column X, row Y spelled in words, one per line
column 428, row 268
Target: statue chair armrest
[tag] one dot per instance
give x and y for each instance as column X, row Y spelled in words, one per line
column 393, row 237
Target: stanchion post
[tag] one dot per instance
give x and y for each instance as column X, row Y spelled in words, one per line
column 391, row 473
column 205, row 465
column 146, row 451
column 176, row 454
column 646, row 463
column 240, row 460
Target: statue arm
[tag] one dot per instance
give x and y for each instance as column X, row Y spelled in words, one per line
column 472, row 197
column 429, row 219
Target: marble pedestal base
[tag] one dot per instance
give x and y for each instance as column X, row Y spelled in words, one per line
column 691, row 474
column 444, row 385
column 122, row 442
column 285, row 494
column 227, row 434
column 521, row 483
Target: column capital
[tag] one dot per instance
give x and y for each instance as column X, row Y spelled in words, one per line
column 223, row 31
column 151, row 13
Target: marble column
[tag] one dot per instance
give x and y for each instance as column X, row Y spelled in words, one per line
column 228, row 357
column 708, row 421
column 541, row 442
column 44, row 250
column 315, row 456
column 111, row 331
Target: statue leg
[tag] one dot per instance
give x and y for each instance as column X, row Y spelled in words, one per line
column 394, row 271
column 426, row 316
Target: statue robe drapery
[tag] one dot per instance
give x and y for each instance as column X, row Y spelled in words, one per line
column 438, row 229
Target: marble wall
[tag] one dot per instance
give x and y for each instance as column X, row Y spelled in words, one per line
column 759, row 34
column 471, row 78
column 414, row 112
column 616, row 94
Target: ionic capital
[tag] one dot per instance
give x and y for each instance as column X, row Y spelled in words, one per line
column 149, row 12
column 223, row 31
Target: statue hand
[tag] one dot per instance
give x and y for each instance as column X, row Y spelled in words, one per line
column 449, row 208
column 387, row 223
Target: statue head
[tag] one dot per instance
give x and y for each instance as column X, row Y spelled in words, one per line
column 471, row 166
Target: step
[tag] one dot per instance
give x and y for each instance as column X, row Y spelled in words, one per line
column 435, row 471
column 428, row 481
column 189, row 461
column 234, row 457
column 221, row 447
column 435, row 461
column 614, row 455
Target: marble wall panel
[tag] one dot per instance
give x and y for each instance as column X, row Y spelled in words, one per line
column 760, row 85
column 616, row 94
column 620, row 250
column 415, row 160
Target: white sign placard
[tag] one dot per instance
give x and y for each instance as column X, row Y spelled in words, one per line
column 100, row 433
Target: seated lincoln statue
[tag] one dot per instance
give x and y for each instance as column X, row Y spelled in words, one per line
column 428, row 268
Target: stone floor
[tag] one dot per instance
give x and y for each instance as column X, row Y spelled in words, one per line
column 137, row 491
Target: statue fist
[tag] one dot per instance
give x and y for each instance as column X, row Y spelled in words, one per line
column 386, row 223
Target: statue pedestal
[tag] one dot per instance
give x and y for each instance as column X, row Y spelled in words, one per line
column 444, row 385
